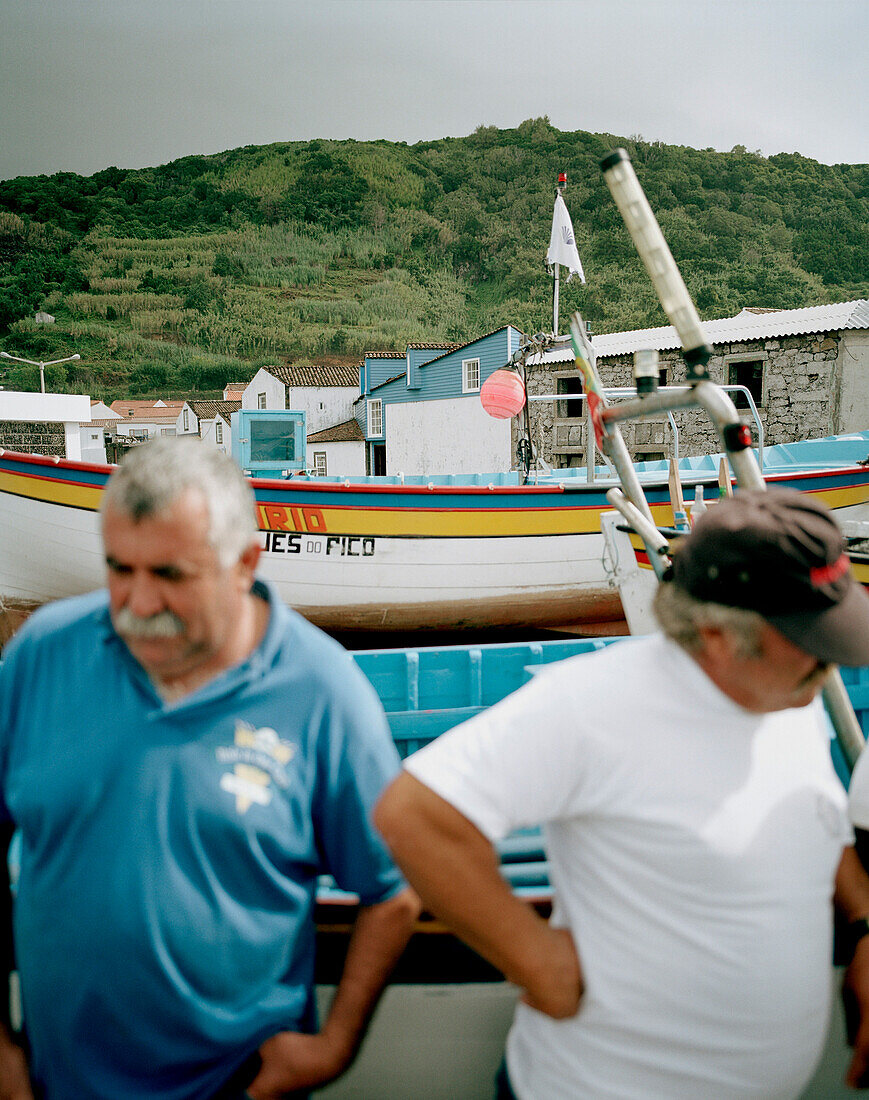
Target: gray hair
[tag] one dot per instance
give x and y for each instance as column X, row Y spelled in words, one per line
column 154, row 475
column 681, row 617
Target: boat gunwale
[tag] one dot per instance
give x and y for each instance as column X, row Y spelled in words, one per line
column 367, row 489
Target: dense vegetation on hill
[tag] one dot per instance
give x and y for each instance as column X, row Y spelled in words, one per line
column 179, row 278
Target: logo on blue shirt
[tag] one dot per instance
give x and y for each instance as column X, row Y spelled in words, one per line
column 259, row 758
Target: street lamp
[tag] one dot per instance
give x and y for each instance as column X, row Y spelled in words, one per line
column 42, row 366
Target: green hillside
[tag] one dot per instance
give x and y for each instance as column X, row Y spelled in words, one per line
column 177, row 279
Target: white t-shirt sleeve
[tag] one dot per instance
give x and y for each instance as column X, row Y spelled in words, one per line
column 858, row 792
column 522, row 762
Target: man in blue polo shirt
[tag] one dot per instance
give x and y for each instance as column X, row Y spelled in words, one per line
column 182, row 757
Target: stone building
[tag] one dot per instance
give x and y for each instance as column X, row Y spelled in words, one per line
column 807, row 371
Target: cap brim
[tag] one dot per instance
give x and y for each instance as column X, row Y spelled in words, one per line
column 839, row 635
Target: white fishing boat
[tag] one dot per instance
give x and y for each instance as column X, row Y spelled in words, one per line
column 392, row 554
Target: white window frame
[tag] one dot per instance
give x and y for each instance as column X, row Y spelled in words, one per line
column 218, row 431
column 320, row 463
column 261, row 400
column 374, row 410
column 186, row 420
column 470, row 376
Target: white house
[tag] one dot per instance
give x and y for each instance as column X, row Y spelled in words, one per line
column 93, row 432
column 420, row 411
column 324, row 394
column 337, row 451
column 420, row 407
column 210, row 420
column 146, row 419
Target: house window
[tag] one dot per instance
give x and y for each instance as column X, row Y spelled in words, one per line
column 375, row 416
column 218, row 432
column 186, row 418
column 260, row 400
column 139, row 433
column 167, row 431
column 571, row 384
column 470, row 375
column 320, row 463
column 748, row 373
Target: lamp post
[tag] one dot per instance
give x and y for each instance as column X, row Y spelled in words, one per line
column 42, row 366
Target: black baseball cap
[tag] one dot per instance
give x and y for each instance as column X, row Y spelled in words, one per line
column 779, row 553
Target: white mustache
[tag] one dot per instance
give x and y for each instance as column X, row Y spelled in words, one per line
column 165, row 624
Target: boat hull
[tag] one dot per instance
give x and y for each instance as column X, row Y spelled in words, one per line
column 373, row 557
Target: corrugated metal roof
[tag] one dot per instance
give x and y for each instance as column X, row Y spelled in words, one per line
column 348, row 431
column 750, row 324
column 316, row 376
column 747, row 325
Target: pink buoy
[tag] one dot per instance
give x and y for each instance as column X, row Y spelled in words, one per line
column 502, row 394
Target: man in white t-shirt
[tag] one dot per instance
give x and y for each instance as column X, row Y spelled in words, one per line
column 694, row 825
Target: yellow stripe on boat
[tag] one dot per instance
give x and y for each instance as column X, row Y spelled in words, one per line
column 428, row 523
column 52, row 491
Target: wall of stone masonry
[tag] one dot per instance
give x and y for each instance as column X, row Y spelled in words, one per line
column 32, row 437
column 800, row 399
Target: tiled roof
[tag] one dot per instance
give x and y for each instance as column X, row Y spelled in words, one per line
column 752, row 323
column 235, row 387
column 434, row 347
column 450, row 348
column 385, row 355
column 208, row 410
column 349, row 431
column 317, row 376
column 147, row 411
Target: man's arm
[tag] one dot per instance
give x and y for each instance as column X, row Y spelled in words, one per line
column 852, row 901
column 14, row 1076
column 293, row 1061
column 455, row 870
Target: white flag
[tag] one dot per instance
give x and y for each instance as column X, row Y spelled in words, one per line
column 562, row 244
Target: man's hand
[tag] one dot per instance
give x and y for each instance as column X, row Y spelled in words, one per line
column 14, row 1075
column 556, row 988
column 855, row 994
column 292, row 1061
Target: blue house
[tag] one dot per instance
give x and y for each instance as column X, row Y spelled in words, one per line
column 420, row 412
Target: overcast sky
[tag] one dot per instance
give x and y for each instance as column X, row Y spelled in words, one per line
column 89, row 83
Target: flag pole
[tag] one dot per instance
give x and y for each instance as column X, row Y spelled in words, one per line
column 562, row 183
